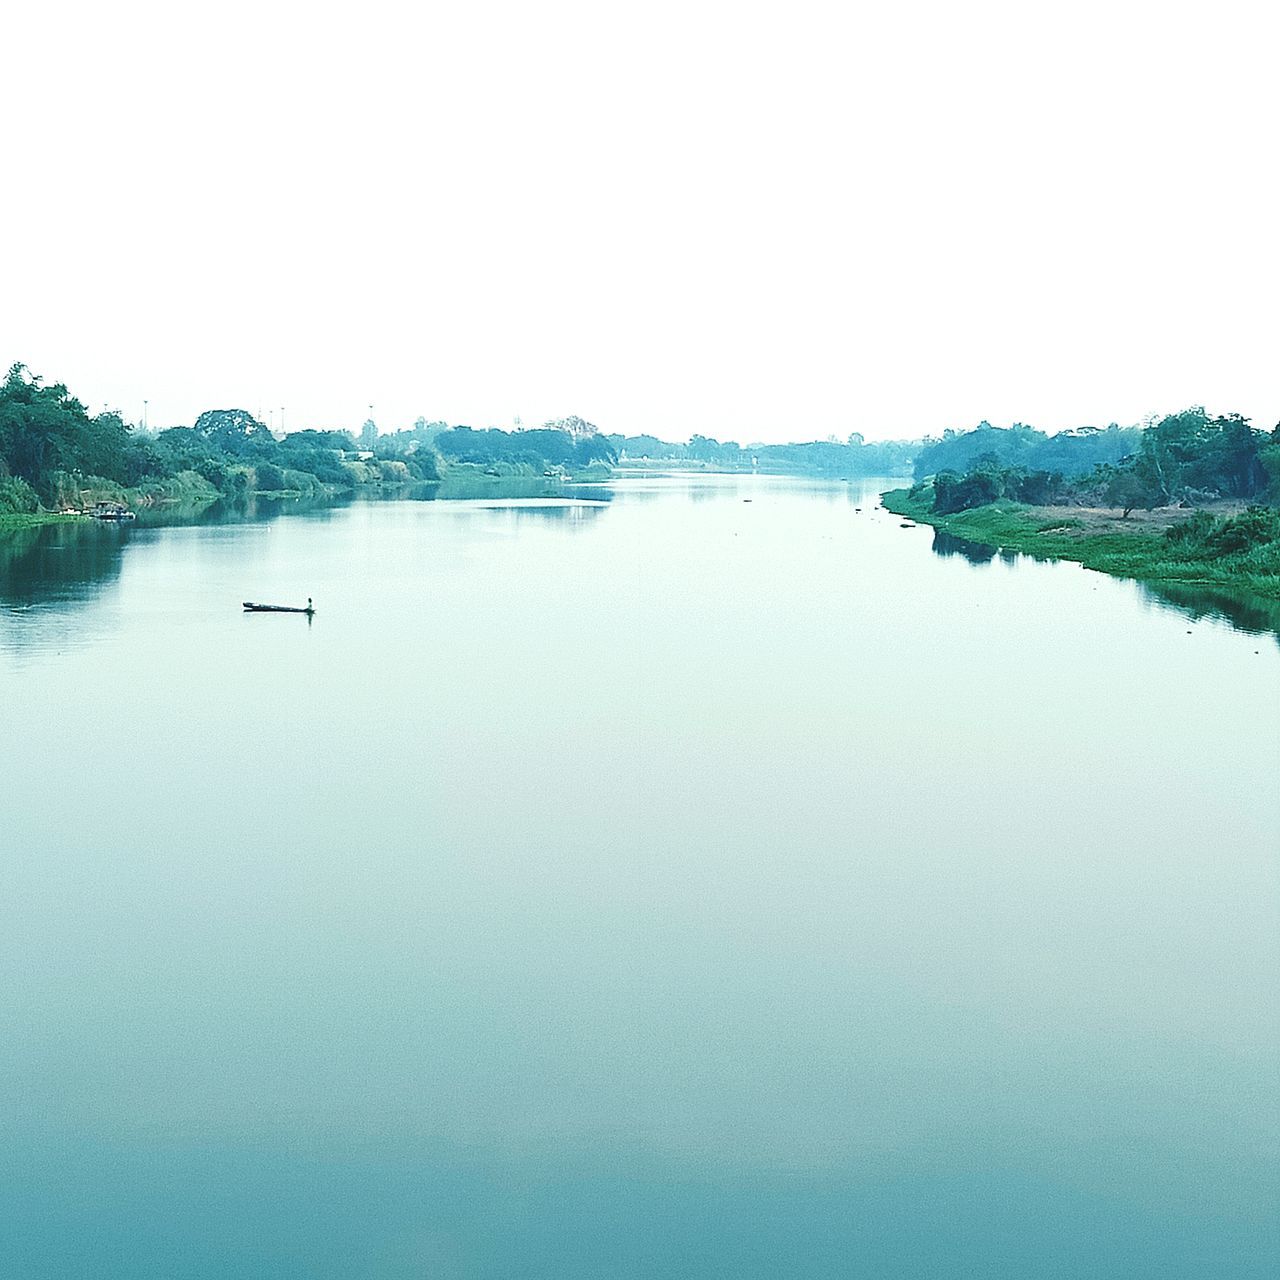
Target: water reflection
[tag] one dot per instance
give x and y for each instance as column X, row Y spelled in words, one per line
column 703, row 486
column 64, row 563
column 540, row 498
column 67, row 565
column 947, row 544
column 591, row 493
column 469, row 486
column 569, row 514
column 250, row 509
column 1254, row 614
column 50, row 572
column 1243, row 610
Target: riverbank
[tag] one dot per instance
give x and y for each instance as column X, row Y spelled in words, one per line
column 1137, row 547
column 183, row 491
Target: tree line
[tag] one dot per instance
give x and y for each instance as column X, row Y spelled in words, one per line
column 1068, row 453
column 1189, row 458
column 53, row 452
column 850, row 457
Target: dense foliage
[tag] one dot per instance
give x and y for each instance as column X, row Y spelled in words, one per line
column 1069, row 453
column 569, row 445
column 53, row 452
column 46, row 434
column 1192, row 456
column 1187, row 458
column 1253, row 532
column 989, row 481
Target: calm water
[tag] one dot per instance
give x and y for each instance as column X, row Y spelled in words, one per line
column 656, row 885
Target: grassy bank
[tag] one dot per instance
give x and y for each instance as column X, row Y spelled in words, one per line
column 1133, row 548
column 185, row 490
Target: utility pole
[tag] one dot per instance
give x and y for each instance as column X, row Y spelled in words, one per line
column 282, row 419
column 144, row 414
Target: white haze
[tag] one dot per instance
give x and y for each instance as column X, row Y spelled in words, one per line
column 760, row 222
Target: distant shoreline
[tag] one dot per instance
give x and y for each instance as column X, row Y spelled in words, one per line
column 1124, row 548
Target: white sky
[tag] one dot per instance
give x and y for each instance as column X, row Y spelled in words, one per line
column 757, row 221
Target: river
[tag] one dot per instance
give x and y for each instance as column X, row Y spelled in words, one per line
column 688, row 877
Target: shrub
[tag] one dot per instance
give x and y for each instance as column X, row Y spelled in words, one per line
column 269, row 477
column 1203, row 534
column 1251, row 528
column 422, row 465
column 953, row 493
column 17, row 497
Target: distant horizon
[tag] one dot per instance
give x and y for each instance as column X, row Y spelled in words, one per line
column 270, row 418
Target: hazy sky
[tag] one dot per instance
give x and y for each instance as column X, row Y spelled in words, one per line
column 757, row 221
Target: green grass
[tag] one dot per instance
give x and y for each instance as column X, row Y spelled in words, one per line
column 1141, row 555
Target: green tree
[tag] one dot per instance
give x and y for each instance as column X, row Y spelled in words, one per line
column 45, row 431
column 1126, row 489
column 234, row 431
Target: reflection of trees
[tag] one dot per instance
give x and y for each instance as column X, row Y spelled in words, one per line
column 466, row 484
column 947, row 544
column 1251, row 613
column 1254, row 614
column 70, row 563
column 537, row 497
column 245, row 509
column 571, row 514
column 59, row 562
column 591, row 493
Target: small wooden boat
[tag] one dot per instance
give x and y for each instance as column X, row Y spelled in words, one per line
column 250, row 607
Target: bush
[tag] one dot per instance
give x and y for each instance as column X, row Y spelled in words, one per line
column 1251, row 528
column 229, row 480
column 1203, row 534
column 1192, row 531
column 324, row 464
column 75, row 491
column 422, row 465
column 17, row 497
column 952, row 493
column 269, row 477
column 1037, row 488
column 301, row 482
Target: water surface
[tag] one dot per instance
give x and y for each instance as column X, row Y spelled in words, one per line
column 694, row 878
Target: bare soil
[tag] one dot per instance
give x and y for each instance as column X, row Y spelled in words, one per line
column 1084, row 521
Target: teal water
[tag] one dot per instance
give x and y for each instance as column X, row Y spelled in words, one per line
column 642, row 883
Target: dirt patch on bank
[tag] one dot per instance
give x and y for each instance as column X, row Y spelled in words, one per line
column 1084, row 522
